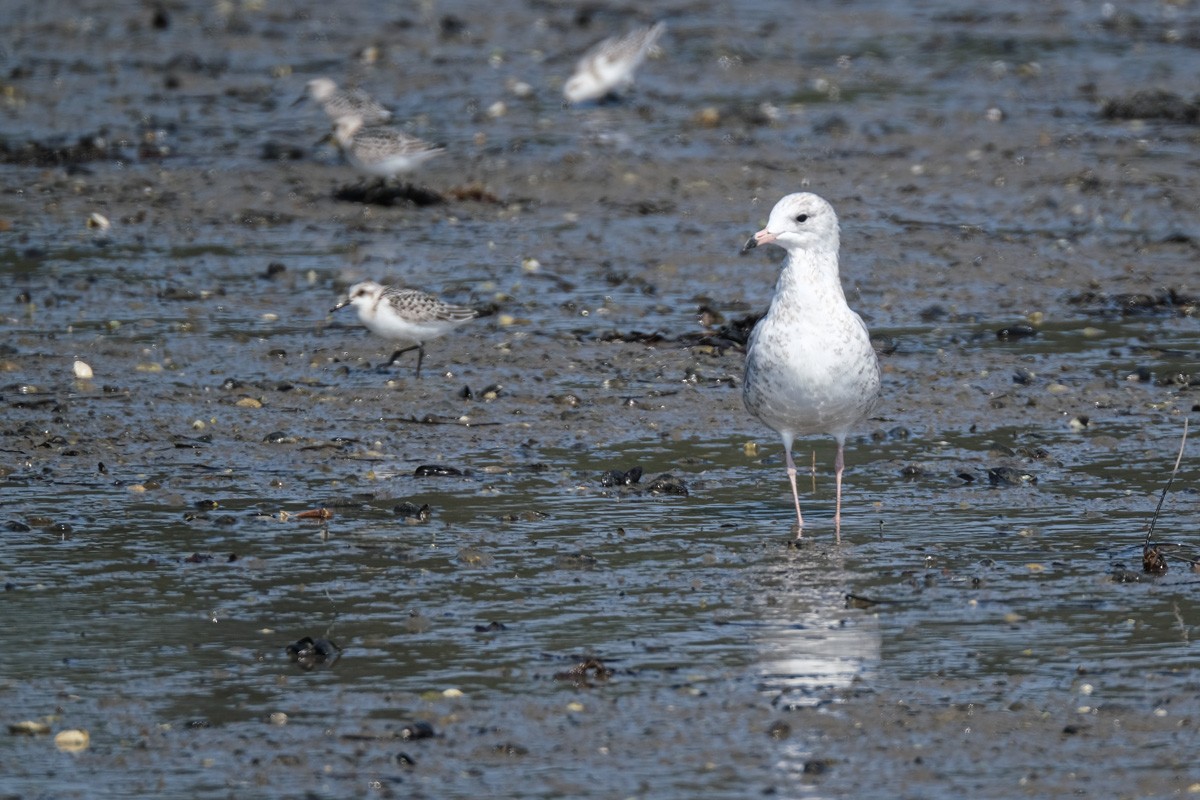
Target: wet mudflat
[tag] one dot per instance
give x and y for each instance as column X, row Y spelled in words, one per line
column 1018, row 197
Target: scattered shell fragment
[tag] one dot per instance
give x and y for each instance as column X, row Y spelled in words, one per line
column 98, row 222
column 83, row 371
column 1153, row 561
column 72, row 741
column 28, row 727
column 708, row 117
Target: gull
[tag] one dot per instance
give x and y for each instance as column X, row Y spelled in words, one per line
column 810, row 367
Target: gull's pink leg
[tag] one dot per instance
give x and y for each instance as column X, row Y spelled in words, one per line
column 839, row 465
column 791, row 471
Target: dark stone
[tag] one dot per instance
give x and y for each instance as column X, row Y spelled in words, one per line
column 491, row 627
column 308, row 652
column 435, row 471
column 668, row 484
column 1152, row 104
column 1017, row 331
column 1007, row 476
column 818, row 766
column 417, row 730
column 420, row 513
column 618, row 477
column 382, row 193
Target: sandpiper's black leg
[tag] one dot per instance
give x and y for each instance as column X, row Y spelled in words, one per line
column 420, row 354
column 420, row 358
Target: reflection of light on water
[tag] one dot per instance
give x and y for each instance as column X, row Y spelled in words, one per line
column 812, row 649
column 818, row 649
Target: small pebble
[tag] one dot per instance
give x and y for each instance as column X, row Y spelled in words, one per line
column 708, row 117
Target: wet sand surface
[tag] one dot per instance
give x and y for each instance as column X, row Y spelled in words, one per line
column 1018, row 191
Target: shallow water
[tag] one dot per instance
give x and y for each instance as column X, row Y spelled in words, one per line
column 154, row 563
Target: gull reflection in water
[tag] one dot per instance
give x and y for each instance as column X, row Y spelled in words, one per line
column 811, row 646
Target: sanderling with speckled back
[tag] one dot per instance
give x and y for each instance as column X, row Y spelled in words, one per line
column 405, row 315
column 810, row 366
column 381, row 151
column 608, row 67
column 338, row 103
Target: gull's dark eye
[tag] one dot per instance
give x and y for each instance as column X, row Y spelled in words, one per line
column 802, row 218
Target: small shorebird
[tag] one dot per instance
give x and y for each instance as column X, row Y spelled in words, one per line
column 405, row 315
column 338, row 103
column 380, row 151
column 810, row 367
column 609, row 66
